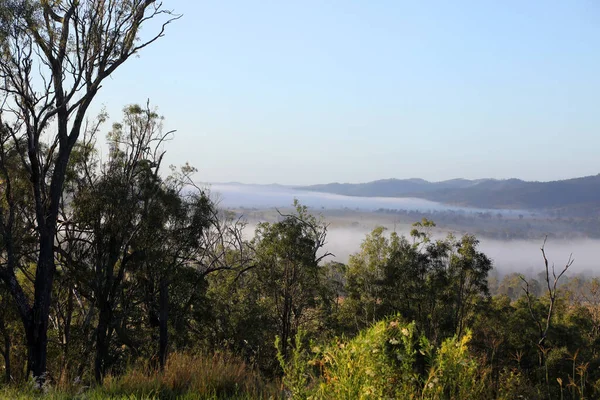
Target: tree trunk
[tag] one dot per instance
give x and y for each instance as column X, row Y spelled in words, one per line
column 38, row 351
column 7, row 371
column 10, row 279
column 6, row 351
column 102, row 343
column 38, row 337
column 163, row 321
column 64, row 367
column 85, row 332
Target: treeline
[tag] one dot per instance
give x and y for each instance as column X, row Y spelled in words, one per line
column 506, row 227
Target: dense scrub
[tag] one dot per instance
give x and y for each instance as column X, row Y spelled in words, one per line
column 388, row 360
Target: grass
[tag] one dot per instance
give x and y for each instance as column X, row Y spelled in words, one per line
column 186, row 377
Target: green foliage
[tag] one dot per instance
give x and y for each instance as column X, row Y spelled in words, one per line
column 284, row 291
column 455, row 374
column 377, row 363
column 438, row 284
column 513, row 384
column 295, row 368
column 383, row 362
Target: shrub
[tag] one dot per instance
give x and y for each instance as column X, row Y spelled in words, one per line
column 385, row 361
column 455, row 374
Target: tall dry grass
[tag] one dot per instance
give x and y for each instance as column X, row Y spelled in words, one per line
column 186, row 376
column 219, row 375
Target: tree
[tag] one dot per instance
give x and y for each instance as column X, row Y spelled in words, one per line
column 365, row 277
column 551, row 278
column 74, row 45
column 468, row 271
column 131, row 236
column 288, row 273
column 434, row 283
column 118, row 210
column 127, row 229
column 543, row 320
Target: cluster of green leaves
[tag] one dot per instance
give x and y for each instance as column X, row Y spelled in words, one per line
column 438, row 284
column 384, row 361
column 284, row 289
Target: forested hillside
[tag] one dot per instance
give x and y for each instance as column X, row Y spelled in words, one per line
column 390, row 187
column 578, row 196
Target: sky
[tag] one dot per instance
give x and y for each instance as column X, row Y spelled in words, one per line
column 313, row 92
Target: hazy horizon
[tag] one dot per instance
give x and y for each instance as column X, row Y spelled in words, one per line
column 508, row 256
column 232, row 195
column 291, row 185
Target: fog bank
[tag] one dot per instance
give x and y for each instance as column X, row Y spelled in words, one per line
column 269, row 196
column 521, row 256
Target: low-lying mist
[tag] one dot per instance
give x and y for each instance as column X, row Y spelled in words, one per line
column 256, row 196
column 344, row 239
column 521, row 256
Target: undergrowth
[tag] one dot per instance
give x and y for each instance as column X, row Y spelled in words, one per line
column 186, row 377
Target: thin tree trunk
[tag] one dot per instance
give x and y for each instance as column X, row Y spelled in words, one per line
column 88, row 349
column 7, row 370
column 163, row 321
column 64, row 369
column 23, row 307
column 6, row 352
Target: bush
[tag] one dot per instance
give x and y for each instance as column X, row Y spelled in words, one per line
column 455, row 374
column 388, row 360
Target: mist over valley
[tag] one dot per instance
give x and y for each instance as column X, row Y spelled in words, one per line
column 235, row 195
column 511, row 238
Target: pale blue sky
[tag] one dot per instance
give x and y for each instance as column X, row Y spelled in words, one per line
column 353, row 91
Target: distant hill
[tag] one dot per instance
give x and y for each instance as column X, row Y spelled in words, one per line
column 390, row 187
column 573, row 196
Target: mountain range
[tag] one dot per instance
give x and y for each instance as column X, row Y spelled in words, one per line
column 577, row 196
